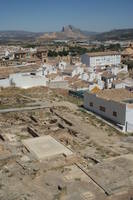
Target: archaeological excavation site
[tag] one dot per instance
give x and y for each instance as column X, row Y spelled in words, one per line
column 51, row 148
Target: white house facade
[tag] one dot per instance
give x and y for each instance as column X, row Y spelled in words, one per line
column 116, row 111
column 77, row 71
column 101, row 59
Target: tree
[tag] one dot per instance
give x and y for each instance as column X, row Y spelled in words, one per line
column 115, row 47
column 52, row 53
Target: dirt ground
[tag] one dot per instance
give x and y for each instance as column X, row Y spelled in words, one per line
column 82, row 176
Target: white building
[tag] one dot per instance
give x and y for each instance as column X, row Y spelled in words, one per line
column 119, row 69
column 73, row 70
column 118, row 84
column 101, row 59
column 115, row 105
column 84, row 76
column 77, row 71
column 108, row 79
column 126, row 83
column 48, row 69
column 62, row 65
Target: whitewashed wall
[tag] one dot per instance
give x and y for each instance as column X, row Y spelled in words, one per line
column 129, row 119
column 93, row 61
column 109, row 105
column 4, row 83
column 27, row 81
column 77, row 71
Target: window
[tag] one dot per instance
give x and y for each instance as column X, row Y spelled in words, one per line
column 91, row 104
column 102, row 108
column 115, row 114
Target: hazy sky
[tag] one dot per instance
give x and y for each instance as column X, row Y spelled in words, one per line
column 51, row 15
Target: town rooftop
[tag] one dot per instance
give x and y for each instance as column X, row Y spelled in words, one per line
column 115, row 94
column 106, row 53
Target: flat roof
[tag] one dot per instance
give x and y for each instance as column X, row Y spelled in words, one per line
column 45, row 147
column 108, row 75
column 106, row 53
column 115, row 94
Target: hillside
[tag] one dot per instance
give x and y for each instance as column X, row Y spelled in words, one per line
column 18, row 35
column 120, row 34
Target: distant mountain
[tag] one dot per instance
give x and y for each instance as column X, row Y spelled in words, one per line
column 67, row 32
column 118, row 34
column 78, row 31
column 89, row 33
column 72, row 32
column 18, row 35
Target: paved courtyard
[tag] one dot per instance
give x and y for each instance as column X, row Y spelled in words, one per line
column 45, row 147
